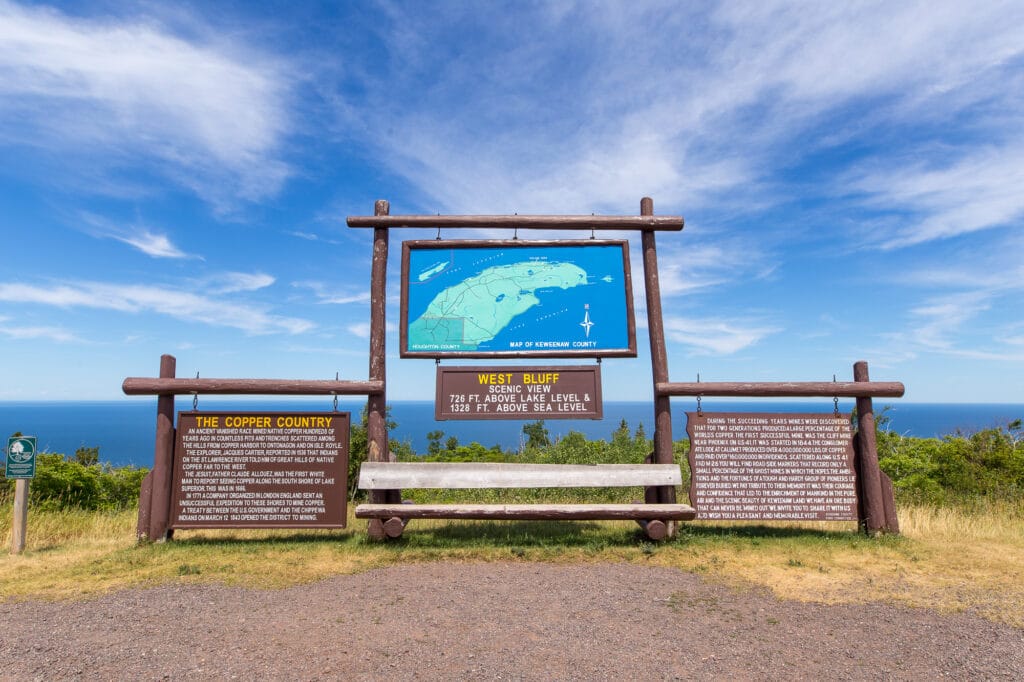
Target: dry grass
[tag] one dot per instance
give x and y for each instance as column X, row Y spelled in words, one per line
column 947, row 559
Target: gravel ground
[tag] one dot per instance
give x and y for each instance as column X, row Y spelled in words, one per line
column 512, row 621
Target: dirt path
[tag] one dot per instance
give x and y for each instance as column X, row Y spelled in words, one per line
column 516, row 621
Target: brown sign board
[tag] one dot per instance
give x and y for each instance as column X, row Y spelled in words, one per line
column 516, row 298
column 572, row 392
column 260, row 470
column 771, row 466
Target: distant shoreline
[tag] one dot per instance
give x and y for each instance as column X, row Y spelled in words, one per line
column 124, row 429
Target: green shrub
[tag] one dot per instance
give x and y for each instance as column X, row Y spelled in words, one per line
column 956, row 468
column 62, row 483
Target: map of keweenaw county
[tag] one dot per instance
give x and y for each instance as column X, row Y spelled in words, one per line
column 508, row 298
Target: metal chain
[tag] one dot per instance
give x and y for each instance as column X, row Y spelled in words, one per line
column 835, row 400
column 195, row 397
column 700, row 412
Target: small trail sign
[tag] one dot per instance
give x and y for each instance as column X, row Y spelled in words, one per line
column 21, row 457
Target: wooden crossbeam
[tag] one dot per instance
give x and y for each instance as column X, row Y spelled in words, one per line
column 539, row 512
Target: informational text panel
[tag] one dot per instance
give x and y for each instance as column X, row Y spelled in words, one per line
column 260, row 470
column 572, row 392
column 772, row 466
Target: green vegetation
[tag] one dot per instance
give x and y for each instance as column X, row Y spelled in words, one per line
column 961, row 514
column 81, row 482
column 959, row 469
column 963, row 469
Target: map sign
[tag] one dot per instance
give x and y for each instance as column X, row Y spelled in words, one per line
column 516, row 298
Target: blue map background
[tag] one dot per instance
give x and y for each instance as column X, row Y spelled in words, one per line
column 558, row 315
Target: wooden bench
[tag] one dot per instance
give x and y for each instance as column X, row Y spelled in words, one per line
column 463, row 475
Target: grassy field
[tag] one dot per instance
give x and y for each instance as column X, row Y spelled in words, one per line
column 947, row 559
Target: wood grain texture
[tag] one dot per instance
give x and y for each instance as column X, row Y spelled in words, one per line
column 163, row 456
column 524, row 222
column 184, row 386
column 392, row 475
column 782, row 389
column 539, row 512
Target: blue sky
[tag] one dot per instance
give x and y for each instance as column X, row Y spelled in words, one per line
column 175, row 178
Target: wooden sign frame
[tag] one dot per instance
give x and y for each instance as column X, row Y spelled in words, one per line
column 628, row 350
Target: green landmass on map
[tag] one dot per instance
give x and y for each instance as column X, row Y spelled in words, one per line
column 476, row 309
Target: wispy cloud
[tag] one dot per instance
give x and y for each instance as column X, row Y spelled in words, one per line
column 232, row 282
column 325, row 294
column 136, row 299
column 978, row 191
column 206, row 112
column 14, row 330
column 362, row 329
column 701, row 264
column 708, row 102
column 715, row 336
column 144, row 239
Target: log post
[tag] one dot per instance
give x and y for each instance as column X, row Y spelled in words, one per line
column 163, row 457
column 870, row 473
column 376, row 406
column 19, row 524
column 145, row 508
column 654, row 529
column 892, row 522
column 375, row 529
column 659, row 357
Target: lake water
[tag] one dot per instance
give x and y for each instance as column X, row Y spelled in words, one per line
column 124, row 429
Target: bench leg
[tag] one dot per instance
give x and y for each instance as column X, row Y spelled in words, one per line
column 375, row 530
column 394, row 526
column 654, row 529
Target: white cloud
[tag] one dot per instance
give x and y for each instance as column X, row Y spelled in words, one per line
column 142, row 238
column 152, row 244
column 19, row 333
column 979, row 191
column 362, row 329
column 593, row 106
column 714, row 336
column 182, row 305
column 231, row 282
column 325, row 295
column 940, row 316
column 209, row 114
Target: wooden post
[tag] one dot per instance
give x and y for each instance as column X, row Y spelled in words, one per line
column 892, row 522
column 145, row 507
column 20, row 521
column 871, row 487
column 376, row 406
column 163, row 457
column 659, row 357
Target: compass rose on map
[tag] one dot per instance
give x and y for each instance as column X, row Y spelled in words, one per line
column 586, row 323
